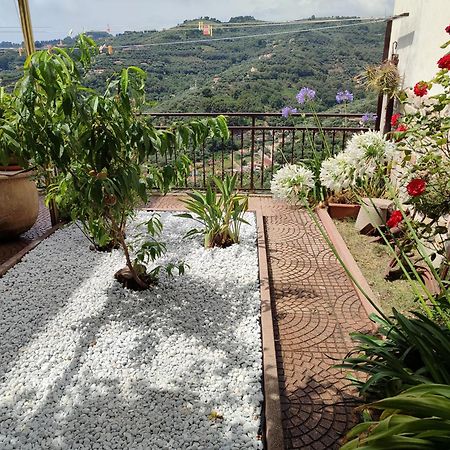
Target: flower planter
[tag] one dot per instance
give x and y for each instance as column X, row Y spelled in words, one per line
column 343, row 210
column 19, row 203
column 372, row 214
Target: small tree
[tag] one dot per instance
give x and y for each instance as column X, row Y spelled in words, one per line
column 94, row 149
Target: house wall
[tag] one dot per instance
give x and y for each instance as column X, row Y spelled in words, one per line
column 419, row 37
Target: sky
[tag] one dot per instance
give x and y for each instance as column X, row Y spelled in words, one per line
column 52, row 19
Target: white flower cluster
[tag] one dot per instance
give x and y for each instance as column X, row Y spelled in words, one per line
column 292, row 182
column 366, row 156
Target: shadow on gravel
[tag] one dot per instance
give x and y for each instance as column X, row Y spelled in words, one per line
column 30, row 299
column 105, row 402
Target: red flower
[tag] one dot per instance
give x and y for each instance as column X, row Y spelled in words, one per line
column 401, row 128
column 416, row 187
column 395, row 219
column 421, row 88
column 444, row 62
column 447, row 29
column 394, row 119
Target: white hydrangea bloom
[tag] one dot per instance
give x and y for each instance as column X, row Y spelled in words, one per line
column 292, row 182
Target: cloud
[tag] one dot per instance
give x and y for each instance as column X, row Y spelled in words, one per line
column 53, row 18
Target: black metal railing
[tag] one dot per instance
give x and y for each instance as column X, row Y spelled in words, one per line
column 262, row 142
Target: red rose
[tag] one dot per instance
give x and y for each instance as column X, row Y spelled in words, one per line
column 395, row 219
column 401, row 128
column 394, row 119
column 447, row 29
column 421, row 88
column 444, row 62
column 416, row 187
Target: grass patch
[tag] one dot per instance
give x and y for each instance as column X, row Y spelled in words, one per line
column 373, row 260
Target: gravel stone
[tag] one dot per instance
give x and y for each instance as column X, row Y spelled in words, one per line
column 86, row 364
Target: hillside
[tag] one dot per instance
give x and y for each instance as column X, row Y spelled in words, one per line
column 260, row 73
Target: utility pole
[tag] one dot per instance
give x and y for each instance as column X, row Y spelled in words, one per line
column 27, row 29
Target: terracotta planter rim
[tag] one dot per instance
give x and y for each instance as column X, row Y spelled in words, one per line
column 16, row 174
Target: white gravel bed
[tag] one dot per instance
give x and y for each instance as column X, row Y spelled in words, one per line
column 87, row 364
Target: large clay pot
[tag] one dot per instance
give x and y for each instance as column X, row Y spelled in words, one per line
column 19, row 203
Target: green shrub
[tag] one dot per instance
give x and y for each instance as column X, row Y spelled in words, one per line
column 404, row 353
column 418, row 418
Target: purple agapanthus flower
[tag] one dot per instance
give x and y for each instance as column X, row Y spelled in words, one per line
column 287, row 111
column 344, row 96
column 368, row 117
column 305, row 94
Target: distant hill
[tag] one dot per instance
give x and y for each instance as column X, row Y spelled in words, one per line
column 259, row 73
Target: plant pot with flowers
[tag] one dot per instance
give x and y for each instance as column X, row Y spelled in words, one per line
column 359, row 174
column 19, row 201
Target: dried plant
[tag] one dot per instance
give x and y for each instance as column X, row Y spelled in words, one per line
column 383, row 79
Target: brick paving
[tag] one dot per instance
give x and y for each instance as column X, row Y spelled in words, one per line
column 315, row 307
column 9, row 248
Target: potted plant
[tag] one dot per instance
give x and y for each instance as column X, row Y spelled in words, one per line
column 19, row 201
column 95, row 150
column 360, row 171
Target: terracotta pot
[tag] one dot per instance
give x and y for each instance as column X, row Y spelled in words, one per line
column 19, row 203
column 12, row 166
column 343, row 210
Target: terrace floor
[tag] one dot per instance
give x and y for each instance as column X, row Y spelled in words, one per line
column 314, row 306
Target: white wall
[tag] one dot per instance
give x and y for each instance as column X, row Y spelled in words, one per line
column 419, row 37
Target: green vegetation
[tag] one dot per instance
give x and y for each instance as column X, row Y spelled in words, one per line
column 253, row 74
column 418, row 418
column 94, row 149
column 221, row 215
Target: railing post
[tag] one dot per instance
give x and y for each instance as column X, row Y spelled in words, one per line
column 252, row 168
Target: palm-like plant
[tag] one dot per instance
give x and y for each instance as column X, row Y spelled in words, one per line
column 408, row 352
column 221, row 214
column 418, row 418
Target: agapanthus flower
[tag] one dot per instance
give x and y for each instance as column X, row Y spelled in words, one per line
column 287, row 111
column 444, row 62
column 368, row 117
column 305, row 94
column 344, row 96
column 292, row 182
column 336, row 173
column 367, row 152
column 421, row 88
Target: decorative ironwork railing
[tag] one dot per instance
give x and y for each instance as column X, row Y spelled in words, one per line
column 261, row 142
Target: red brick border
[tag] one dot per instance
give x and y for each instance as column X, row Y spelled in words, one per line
column 272, row 407
column 347, row 258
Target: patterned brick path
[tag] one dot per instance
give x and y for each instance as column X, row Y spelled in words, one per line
column 10, row 248
column 315, row 307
